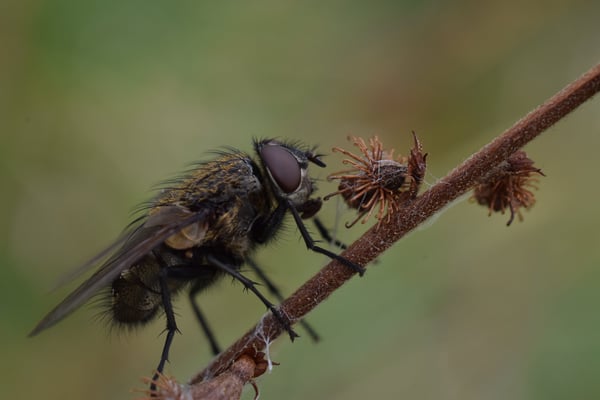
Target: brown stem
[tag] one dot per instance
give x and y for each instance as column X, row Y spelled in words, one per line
column 228, row 385
column 375, row 241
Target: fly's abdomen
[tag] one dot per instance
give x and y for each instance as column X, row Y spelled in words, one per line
column 136, row 295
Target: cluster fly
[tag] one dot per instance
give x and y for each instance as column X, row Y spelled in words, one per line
column 200, row 228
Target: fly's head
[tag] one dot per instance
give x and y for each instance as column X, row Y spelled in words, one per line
column 287, row 168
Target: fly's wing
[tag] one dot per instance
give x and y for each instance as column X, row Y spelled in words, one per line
column 72, row 275
column 157, row 228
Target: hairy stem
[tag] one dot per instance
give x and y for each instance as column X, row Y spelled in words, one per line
column 375, row 241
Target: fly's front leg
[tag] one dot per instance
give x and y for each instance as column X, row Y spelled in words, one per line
column 310, row 243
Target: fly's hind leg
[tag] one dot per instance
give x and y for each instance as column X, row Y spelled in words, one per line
column 214, row 346
column 171, row 328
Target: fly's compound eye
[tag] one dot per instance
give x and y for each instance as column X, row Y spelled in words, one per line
column 283, row 166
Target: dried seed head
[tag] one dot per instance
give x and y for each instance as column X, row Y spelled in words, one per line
column 509, row 186
column 378, row 181
column 166, row 388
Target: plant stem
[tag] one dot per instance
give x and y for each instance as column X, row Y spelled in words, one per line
column 375, row 241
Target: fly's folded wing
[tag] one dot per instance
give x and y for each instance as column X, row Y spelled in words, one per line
column 135, row 243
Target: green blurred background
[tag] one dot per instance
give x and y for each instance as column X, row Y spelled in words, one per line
column 101, row 100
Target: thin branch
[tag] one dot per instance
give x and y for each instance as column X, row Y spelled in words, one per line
column 376, row 240
column 228, row 385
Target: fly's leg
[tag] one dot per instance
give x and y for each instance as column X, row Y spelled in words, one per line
column 250, row 285
column 170, row 315
column 214, row 346
column 324, row 232
column 275, row 291
column 310, row 243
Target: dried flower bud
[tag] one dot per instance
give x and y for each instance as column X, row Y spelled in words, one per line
column 509, row 186
column 377, row 180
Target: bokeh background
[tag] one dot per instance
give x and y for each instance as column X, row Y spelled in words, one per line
column 100, row 100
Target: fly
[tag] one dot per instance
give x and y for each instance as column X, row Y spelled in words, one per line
column 200, row 228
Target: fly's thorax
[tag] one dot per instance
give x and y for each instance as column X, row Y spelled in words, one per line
column 233, row 231
column 212, row 183
column 229, row 192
